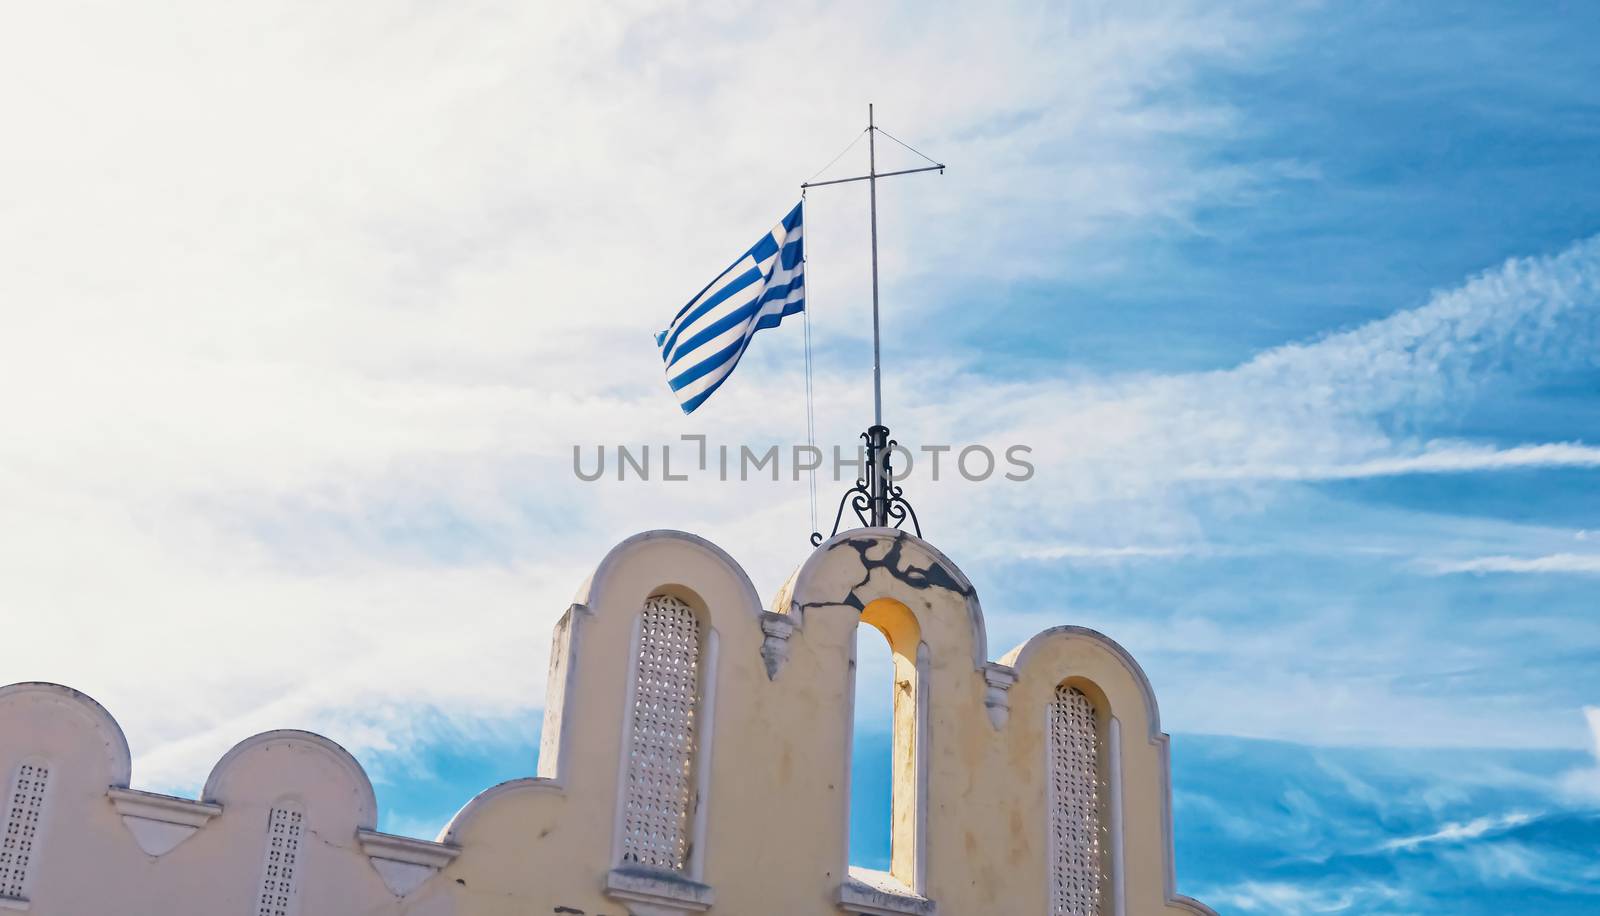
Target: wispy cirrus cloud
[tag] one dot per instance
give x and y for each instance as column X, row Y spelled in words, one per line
column 1558, row 563
column 302, row 390
column 1339, row 406
column 1291, row 899
column 1130, row 460
column 1460, row 832
column 305, row 311
column 1432, row 458
column 1584, row 783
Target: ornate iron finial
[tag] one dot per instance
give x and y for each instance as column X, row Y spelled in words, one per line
column 876, row 500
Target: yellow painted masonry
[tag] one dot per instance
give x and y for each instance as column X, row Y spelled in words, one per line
column 747, row 793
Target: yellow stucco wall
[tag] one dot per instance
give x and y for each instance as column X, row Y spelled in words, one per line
column 971, row 833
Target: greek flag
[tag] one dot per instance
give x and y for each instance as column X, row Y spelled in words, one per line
column 707, row 336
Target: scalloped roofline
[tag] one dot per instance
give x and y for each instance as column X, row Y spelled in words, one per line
column 592, row 587
column 116, row 742
column 467, row 813
column 785, row 602
column 368, row 801
column 1017, row 660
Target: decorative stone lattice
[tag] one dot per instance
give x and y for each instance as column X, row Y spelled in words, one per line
column 660, row 788
column 1074, row 804
column 280, row 871
column 23, row 819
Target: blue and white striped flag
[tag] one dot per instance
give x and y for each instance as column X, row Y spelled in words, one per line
column 709, row 335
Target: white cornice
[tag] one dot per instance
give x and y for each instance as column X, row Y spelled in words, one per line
column 648, row 892
column 160, row 822
column 157, row 807
column 405, row 864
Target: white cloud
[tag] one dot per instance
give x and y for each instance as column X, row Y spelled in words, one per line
column 1584, row 564
column 1460, row 832
column 1434, row 458
column 1584, row 783
column 1129, row 460
column 1591, row 715
column 1288, row 899
column 1090, row 552
column 1318, row 410
column 1524, row 865
column 305, row 308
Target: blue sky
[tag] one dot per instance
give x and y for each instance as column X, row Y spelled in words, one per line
column 1297, row 304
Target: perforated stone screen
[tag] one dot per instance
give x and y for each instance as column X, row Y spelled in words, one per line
column 24, row 815
column 1074, row 804
column 660, row 787
column 280, row 871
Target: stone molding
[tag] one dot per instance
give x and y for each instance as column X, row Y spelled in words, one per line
column 159, row 823
column 405, row 864
column 776, row 630
column 998, row 680
column 878, row 893
column 648, row 892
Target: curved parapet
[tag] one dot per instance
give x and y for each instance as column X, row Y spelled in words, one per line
column 1022, row 660
column 647, row 563
column 287, row 762
column 570, row 818
column 680, row 711
column 855, row 568
column 463, row 819
column 1088, row 659
column 645, row 549
column 1189, row 904
column 58, row 718
column 249, row 838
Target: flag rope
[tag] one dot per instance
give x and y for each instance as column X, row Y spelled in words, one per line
column 904, row 144
column 834, row 161
column 805, row 321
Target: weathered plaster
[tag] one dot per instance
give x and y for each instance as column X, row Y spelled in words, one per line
column 772, row 822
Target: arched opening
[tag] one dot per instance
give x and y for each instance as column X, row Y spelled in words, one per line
column 888, row 753
column 872, row 754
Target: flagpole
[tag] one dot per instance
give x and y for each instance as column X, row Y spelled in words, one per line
column 877, row 362
column 875, row 499
column 878, row 436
